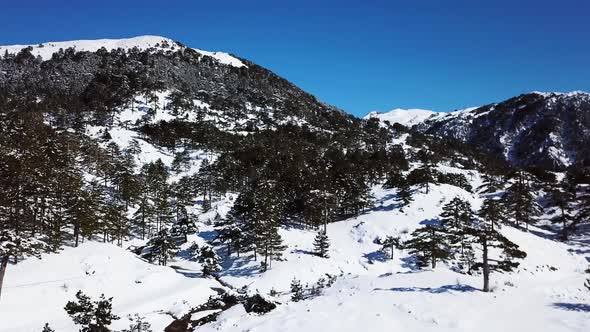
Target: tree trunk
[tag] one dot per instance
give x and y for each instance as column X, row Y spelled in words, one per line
column 486, row 266
column 3, row 265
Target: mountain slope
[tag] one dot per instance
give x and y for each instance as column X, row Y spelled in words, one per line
column 548, row 130
column 406, row 117
column 107, row 73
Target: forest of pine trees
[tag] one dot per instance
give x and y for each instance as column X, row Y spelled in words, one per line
column 61, row 187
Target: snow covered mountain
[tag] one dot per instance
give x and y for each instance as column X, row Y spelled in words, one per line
column 548, row 130
column 98, row 144
column 47, row 49
column 406, row 117
column 234, row 90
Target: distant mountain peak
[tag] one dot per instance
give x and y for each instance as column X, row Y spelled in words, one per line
column 46, row 49
column 406, row 117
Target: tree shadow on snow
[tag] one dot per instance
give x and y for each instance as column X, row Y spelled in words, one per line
column 380, row 206
column 376, row 256
column 208, row 236
column 430, row 222
column 303, row 252
column 186, row 272
column 438, row 290
column 580, row 307
column 242, row 266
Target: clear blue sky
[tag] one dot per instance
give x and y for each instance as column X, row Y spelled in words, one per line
column 360, row 56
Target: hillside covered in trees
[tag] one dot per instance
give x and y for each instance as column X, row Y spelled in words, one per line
column 151, row 165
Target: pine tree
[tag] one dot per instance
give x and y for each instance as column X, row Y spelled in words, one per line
column 395, row 179
column 92, row 316
column 162, row 247
column 491, row 183
column 404, row 195
column 455, row 218
column 390, row 243
column 296, row 290
column 184, row 227
column 562, row 200
column 430, row 243
column 484, row 235
column 493, row 211
column 520, row 201
column 209, row 260
column 321, row 244
column 426, row 170
column 267, row 203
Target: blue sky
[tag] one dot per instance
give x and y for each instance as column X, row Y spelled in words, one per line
column 358, row 55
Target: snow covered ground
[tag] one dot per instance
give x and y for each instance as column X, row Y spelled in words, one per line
column 371, row 292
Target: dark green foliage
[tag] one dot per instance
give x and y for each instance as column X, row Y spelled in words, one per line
column 162, row 247
column 185, row 226
column 209, row 260
column 457, row 180
column 563, row 201
column 296, row 290
column 484, row 235
column 404, row 195
column 391, row 243
column 321, row 244
column 92, row 316
column 520, row 201
column 430, row 244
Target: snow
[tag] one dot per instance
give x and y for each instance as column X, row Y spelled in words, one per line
column 44, row 286
column 406, row 117
column 371, row 293
column 45, row 50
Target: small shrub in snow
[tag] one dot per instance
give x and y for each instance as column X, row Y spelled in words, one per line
column 296, row 290
column 46, row 328
column 209, row 260
column 138, row 324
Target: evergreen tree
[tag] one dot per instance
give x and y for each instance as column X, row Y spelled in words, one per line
column 296, row 290
column 209, row 260
column 184, row 227
column 456, row 218
column 562, row 200
column 520, row 201
column 267, row 208
column 493, row 211
column 92, row 316
column 431, row 244
column 404, row 195
column 321, row 244
column 491, row 183
column 395, row 179
column 162, row 247
column 484, row 235
column 390, row 243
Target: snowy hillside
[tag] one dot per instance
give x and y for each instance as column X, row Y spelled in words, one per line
column 406, row 117
column 46, row 49
column 371, row 291
column 202, row 194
